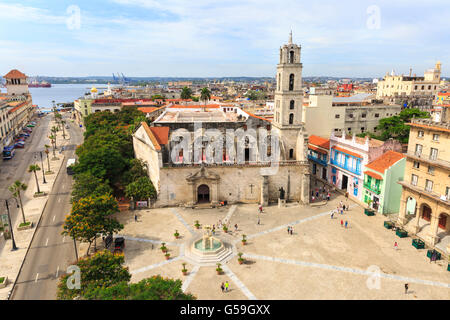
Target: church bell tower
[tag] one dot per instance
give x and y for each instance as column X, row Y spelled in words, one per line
column 288, row 110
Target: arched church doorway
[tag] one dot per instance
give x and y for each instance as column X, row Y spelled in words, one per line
column 426, row 212
column 203, row 194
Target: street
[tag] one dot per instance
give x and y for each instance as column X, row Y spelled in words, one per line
column 50, row 253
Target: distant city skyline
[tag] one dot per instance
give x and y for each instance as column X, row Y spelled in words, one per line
column 235, row 38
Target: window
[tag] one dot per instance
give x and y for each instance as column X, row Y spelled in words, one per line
column 291, row 153
column 362, row 129
column 447, row 193
column 429, row 87
column 416, row 164
column 418, row 150
column 291, row 57
column 430, row 170
column 291, row 118
column 292, row 104
column 429, row 185
column 420, row 134
column 414, row 179
column 349, row 129
column 433, row 154
column 337, row 116
column 435, row 137
column 423, row 87
column 350, row 115
column 364, row 115
column 377, row 115
column 291, row 82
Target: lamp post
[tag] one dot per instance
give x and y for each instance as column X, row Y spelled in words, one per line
column 14, row 248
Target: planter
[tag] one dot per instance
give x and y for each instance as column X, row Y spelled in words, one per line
column 184, row 273
column 167, row 257
column 369, row 212
column 219, row 272
column 241, row 261
column 41, row 194
column 164, row 250
column 244, row 242
column 430, row 253
column 401, row 233
column 388, row 224
column 3, row 282
column 28, row 225
column 418, row 244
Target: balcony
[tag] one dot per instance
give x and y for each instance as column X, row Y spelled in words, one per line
column 429, row 159
column 422, row 191
column 319, row 161
column 356, row 171
column 373, row 188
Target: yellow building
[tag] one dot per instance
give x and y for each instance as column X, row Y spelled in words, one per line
column 399, row 86
column 425, row 201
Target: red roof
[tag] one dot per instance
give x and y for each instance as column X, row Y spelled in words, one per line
column 385, row 161
column 161, row 134
column 147, row 109
column 196, row 106
column 319, row 141
column 373, row 175
column 347, row 152
column 14, row 74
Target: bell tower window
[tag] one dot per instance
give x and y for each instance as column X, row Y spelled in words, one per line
column 291, row 118
column 291, row 82
column 291, row 57
column 291, row 104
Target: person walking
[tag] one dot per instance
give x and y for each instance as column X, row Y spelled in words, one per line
column 342, row 223
column 292, row 231
column 226, row 286
column 395, row 245
column 406, row 288
column 328, row 196
column 289, row 229
column 260, row 208
column 346, row 224
column 135, row 217
column 222, row 286
column 258, row 221
column 235, row 227
column 332, row 214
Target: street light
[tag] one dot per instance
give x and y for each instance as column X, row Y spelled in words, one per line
column 14, row 248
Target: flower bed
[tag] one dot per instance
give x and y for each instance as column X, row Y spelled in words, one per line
column 369, row 212
column 388, row 224
column 25, row 226
column 401, row 233
column 3, row 282
column 418, row 244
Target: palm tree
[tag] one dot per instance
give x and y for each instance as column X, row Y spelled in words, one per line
column 53, row 140
column 186, row 93
column 15, row 189
column 205, row 95
column 34, row 168
column 62, row 125
column 46, row 146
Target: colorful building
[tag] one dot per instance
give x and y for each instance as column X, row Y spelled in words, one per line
column 380, row 189
column 318, row 149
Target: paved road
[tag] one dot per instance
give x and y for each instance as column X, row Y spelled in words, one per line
column 50, row 252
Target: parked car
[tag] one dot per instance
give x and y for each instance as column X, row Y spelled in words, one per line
column 119, row 244
column 19, row 144
column 24, row 135
column 30, row 125
column 27, row 130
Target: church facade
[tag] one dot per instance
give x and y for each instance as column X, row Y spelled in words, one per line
column 212, row 153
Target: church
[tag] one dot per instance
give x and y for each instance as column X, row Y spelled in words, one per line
column 207, row 154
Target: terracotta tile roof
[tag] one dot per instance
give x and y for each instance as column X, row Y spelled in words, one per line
column 254, row 116
column 347, row 152
column 161, row 134
column 319, row 141
column 385, row 161
column 428, row 127
column 373, row 175
column 310, row 146
column 14, row 74
column 196, row 106
column 151, row 136
column 147, row 109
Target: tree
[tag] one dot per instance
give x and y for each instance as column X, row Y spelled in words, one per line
column 195, row 99
column 91, row 216
column 101, row 270
column 154, row 288
column 46, row 146
column 33, row 168
column 141, row 189
column 15, row 189
column 88, row 185
column 62, row 125
column 137, row 170
column 186, row 93
column 205, row 95
column 53, row 142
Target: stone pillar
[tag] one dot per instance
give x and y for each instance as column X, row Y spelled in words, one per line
column 265, row 191
column 402, row 212
column 193, row 192
column 305, row 188
column 415, row 228
column 215, row 193
column 432, row 236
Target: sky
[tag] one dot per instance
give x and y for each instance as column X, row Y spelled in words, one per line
column 199, row 38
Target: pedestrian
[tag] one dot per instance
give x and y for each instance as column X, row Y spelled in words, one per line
column 222, row 286
column 346, row 195
column 292, row 231
column 235, row 227
column 260, row 209
column 328, row 196
column 342, row 223
column 312, row 193
column 406, row 288
column 395, row 245
column 346, row 205
column 343, row 207
column 340, row 204
column 258, row 220
column 288, row 229
column 317, row 194
column 342, row 211
column 434, row 256
column 135, row 217
column 332, row 214
column 346, row 224
column 226, row 286
column 312, row 199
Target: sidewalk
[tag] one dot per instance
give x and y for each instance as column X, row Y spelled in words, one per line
column 11, row 261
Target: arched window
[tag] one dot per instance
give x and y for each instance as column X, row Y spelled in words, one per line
column 291, row 153
column 291, row 82
column 292, row 104
column 291, row 57
column 291, row 118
